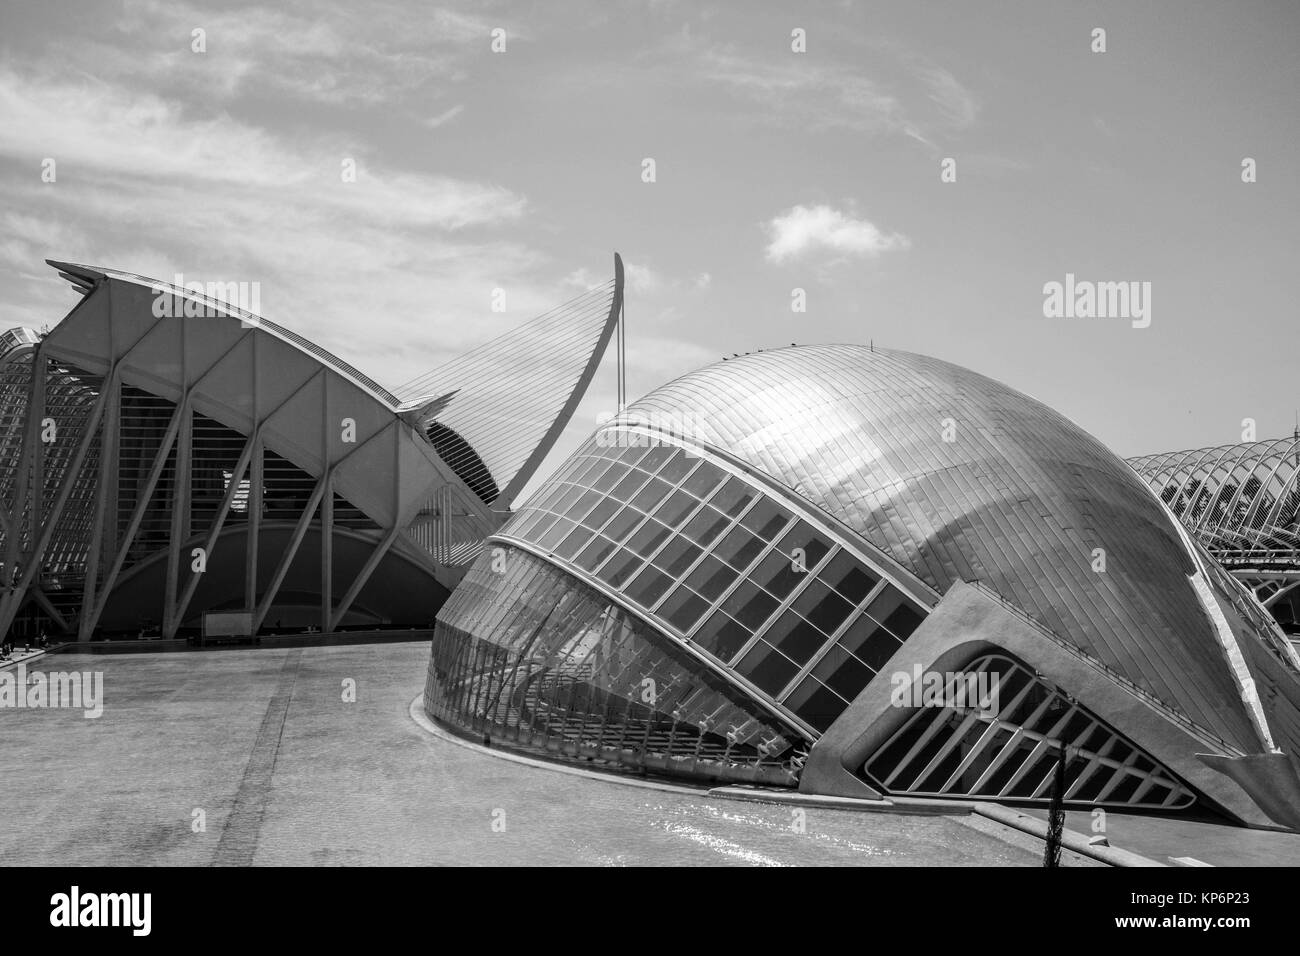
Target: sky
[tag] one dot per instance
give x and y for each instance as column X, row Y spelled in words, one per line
column 794, row 146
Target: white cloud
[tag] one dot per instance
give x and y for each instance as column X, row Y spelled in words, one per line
column 109, row 134
column 393, row 272
column 703, row 280
column 642, row 279
column 433, row 122
column 329, row 52
column 638, row 278
column 584, row 279
column 958, row 106
column 806, row 229
column 897, row 91
column 819, row 95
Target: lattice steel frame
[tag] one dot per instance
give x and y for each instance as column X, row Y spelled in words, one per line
column 1090, row 749
column 1242, row 502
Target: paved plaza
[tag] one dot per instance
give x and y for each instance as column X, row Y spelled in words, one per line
column 261, row 747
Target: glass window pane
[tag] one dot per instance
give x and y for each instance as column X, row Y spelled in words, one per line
column 732, row 497
column 796, row 638
column 648, row 537
column 544, row 522
column 765, row 519
column 814, row 545
column 776, row 573
column 573, row 543
column 568, row 494
column 678, row 555
column 600, row 514
column 520, row 522
column 815, row 704
column 628, row 485
column 903, row 621
column 750, row 605
column 595, row 552
column 710, row 578
column 619, row 568
column 703, row 480
column 870, row 642
column 655, row 457
column 648, row 586
column 739, row 548
column 676, row 508
column 677, row 467
column 537, row 522
column 548, row 494
column 842, row 672
column 570, row 468
column 632, row 447
column 612, row 475
column 571, row 494
column 654, row 492
column 597, row 471
column 555, row 534
column 705, row 525
column 822, row 606
column 721, row 636
column 590, row 466
column 682, row 608
column 623, row 523
column 847, row 576
column 593, row 477
column 579, row 508
column 767, row 667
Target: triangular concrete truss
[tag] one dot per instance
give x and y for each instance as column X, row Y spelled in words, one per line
column 144, row 449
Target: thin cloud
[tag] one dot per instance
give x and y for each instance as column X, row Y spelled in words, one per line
column 818, row 95
column 957, row 104
column 444, row 117
column 808, row 229
column 144, row 185
column 119, row 138
column 902, row 93
column 642, row 279
column 337, row 53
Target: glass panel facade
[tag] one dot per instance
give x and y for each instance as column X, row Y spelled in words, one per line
column 534, row 659
column 727, row 567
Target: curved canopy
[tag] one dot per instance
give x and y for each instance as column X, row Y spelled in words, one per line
column 1235, row 498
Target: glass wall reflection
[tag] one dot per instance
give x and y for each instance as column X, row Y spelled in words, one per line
column 530, row 657
column 720, row 562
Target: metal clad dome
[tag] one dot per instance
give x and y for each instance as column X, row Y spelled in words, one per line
column 959, row 477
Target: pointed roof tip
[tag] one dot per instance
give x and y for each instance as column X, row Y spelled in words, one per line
column 82, row 278
column 65, row 269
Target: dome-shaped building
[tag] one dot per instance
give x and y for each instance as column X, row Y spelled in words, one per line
column 866, row 572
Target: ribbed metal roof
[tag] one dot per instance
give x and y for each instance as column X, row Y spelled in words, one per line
column 1018, row 500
